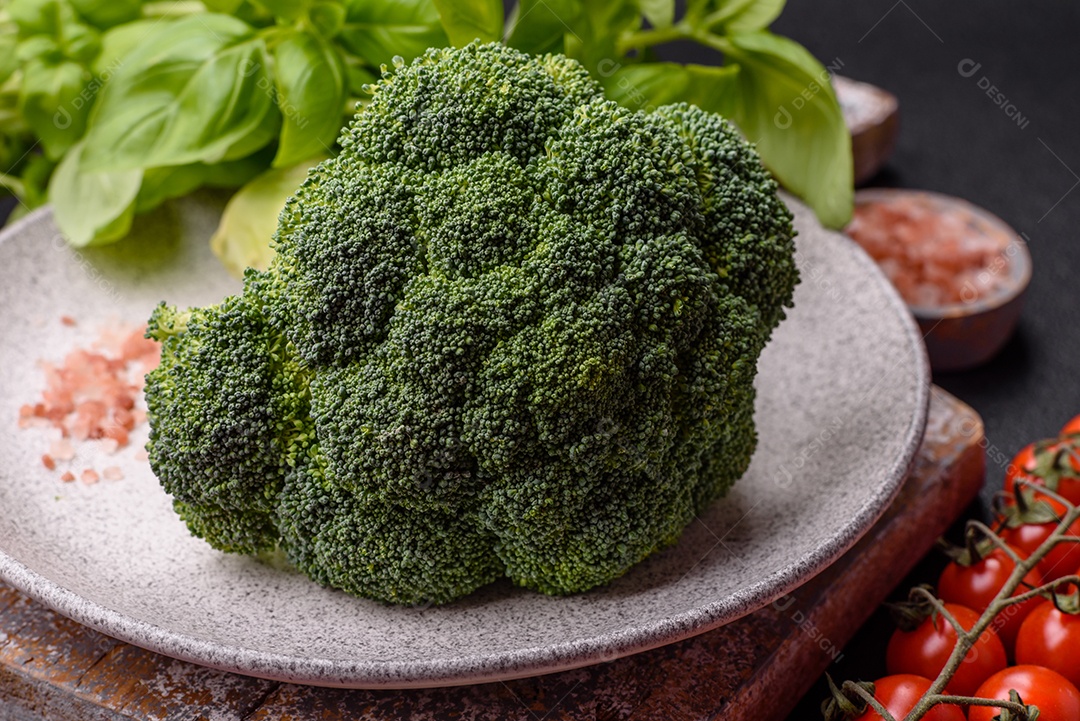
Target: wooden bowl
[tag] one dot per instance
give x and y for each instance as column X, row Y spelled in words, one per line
column 968, row 333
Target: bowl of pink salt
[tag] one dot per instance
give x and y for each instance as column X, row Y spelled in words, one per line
column 961, row 270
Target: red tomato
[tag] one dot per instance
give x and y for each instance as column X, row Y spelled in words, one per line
column 1023, row 466
column 899, row 694
column 1062, row 559
column 975, row 587
column 1051, row 638
column 1057, row 699
column 926, row 650
column 1072, row 427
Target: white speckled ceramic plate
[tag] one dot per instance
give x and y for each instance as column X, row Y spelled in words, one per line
column 843, row 391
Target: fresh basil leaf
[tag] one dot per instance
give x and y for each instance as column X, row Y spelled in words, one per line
column 695, row 11
column 311, row 95
column 376, row 31
column 107, row 13
column 9, row 61
column 80, row 43
column 788, row 108
column 647, row 85
column 197, row 89
column 40, row 17
column 54, row 103
column 538, row 26
column 227, row 7
column 161, row 184
column 328, row 18
column 739, row 16
column 468, row 20
column 12, row 123
column 35, row 175
column 92, row 207
column 284, row 9
column 117, row 42
column 42, row 48
column 596, row 32
column 659, row 13
column 242, row 239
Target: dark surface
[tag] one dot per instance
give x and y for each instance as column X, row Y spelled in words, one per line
column 955, row 140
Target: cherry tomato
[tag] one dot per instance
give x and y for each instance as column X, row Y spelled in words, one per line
column 1051, row 638
column 899, row 694
column 1057, row 699
column 1023, row 466
column 1072, row 427
column 975, row 587
column 1062, row 559
column 926, row 650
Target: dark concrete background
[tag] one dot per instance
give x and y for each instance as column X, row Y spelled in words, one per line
column 955, row 139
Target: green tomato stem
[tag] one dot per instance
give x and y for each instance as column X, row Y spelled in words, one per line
column 966, row 639
column 643, row 39
column 869, row 699
column 1016, row 708
column 13, row 184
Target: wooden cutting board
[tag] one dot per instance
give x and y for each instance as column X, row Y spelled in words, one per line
column 755, row 668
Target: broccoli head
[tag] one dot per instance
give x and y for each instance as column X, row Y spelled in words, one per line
column 510, row 330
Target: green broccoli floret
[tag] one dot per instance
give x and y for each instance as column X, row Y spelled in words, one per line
column 230, row 408
column 511, row 330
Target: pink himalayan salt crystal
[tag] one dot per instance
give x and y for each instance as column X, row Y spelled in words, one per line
column 92, row 395
column 933, row 255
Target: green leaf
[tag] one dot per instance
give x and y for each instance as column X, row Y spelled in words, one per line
column 36, row 172
column 659, row 13
column 92, row 207
column 40, row 17
column 539, row 26
column 53, row 102
column 311, row 94
column 596, row 32
column 468, row 20
column 740, row 16
column 377, row 30
column 242, row 239
column 117, row 42
column 194, row 90
column 9, row 61
column 328, row 18
column 223, row 6
column 287, row 10
column 647, row 85
column 788, row 108
column 160, row 184
column 107, row 13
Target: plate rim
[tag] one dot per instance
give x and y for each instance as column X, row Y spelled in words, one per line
column 518, row 663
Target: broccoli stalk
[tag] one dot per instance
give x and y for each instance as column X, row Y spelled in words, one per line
column 511, row 330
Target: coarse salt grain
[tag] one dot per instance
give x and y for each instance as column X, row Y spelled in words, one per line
column 112, row 473
column 62, row 450
column 92, row 396
column 929, row 254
